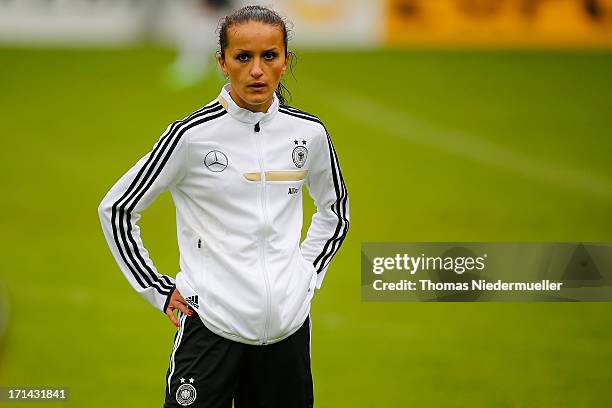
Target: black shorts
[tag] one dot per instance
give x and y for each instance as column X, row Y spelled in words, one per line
column 209, row 371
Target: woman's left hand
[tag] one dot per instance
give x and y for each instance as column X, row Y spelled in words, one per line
column 177, row 302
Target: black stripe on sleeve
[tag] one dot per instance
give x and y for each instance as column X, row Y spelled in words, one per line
column 341, row 210
column 149, row 181
column 143, row 180
column 339, row 206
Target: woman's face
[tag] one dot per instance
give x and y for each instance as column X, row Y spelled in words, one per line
column 254, row 61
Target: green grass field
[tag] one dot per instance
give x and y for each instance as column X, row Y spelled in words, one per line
column 434, row 146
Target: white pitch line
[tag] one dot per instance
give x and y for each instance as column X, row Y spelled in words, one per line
column 400, row 124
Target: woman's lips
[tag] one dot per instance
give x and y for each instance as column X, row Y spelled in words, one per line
column 258, row 85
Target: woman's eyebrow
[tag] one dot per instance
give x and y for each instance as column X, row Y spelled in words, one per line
column 267, row 50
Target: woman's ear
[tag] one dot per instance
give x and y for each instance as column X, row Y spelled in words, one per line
column 221, row 62
column 287, row 61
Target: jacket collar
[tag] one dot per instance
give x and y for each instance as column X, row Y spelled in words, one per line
column 245, row 115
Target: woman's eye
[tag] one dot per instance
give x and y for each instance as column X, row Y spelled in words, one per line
column 243, row 57
column 270, row 56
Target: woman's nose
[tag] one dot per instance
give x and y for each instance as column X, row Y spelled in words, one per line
column 256, row 70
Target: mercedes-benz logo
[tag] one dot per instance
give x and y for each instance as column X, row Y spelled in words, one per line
column 215, row 161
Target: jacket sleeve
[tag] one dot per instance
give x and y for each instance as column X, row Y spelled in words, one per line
column 330, row 223
column 119, row 212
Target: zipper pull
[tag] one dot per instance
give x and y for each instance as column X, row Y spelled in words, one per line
column 199, row 243
column 257, row 127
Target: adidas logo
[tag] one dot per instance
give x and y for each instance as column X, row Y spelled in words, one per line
column 192, row 300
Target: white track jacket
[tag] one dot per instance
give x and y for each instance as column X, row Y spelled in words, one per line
column 236, row 179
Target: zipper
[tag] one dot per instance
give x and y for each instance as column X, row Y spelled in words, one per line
column 256, row 129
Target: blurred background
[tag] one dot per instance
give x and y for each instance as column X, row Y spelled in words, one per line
column 454, row 120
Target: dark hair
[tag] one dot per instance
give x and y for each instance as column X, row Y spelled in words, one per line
column 264, row 15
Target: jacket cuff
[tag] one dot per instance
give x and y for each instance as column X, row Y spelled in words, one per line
column 168, row 299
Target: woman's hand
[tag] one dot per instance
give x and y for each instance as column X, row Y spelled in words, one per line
column 177, row 302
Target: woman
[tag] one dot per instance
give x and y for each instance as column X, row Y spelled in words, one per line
column 235, row 169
